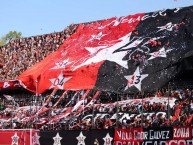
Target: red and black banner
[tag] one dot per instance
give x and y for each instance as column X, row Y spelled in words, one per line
column 182, row 133
column 154, row 136
column 133, row 136
column 77, row 137
column 126, row 54
column 10, row 85
column 19, row 137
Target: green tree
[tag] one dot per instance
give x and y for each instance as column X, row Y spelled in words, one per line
column 2, row 41
column 10, row 36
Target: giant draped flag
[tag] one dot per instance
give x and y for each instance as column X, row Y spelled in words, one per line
column 127, row 54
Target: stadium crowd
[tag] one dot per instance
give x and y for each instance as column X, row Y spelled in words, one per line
column 67, row 111
column 146, row 114
column 107, row 111
column 20, row 54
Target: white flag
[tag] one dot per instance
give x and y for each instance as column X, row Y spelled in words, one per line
column 8, row 97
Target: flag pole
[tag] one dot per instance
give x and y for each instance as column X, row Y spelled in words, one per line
column 30, row 112
column 117, row 110
column 117, row 106
column 93, row 110
column 35, row 102
column 142, row 93
column 13, row 106
column 71, row 105
column 169, row 93
column 11, row 123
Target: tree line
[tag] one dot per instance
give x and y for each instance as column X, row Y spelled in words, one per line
column 10, row 36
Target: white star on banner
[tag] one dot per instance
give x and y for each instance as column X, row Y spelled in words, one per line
column 81, row 139
column 63, row 53
column 98, row 36
column 93, row 51
column 169, row 26
column 35, row 139
column 57, row 139
column 15, row 139
column 61, row 64
column 135, row 79
column 59, row 81
column 107, row 139
column 107, row 53
column 160, row 53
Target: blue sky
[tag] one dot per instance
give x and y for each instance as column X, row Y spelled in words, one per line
column 36, row 17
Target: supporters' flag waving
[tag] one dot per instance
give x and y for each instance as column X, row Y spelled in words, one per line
column 81, row 101
column 127, row 54
column 8, row 97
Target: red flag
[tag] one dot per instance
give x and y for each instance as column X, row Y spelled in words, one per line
column 93, row 99
column 81, row 101
column 189, row 119
column 82, row 107
column 62, row 96
column 60, row 116
column 177, row 112
column 47, row 101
